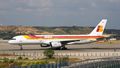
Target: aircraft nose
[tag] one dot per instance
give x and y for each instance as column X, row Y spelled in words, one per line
column 10, row 41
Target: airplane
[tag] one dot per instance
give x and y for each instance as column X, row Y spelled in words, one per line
column 59, row 41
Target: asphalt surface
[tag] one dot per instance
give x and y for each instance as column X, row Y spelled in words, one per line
column 4, row 46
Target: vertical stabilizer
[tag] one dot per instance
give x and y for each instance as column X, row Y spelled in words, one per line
column 99, row 29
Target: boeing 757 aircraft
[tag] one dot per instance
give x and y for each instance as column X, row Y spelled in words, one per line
column 59, row 41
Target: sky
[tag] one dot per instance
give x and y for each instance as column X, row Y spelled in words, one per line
column 60, row 12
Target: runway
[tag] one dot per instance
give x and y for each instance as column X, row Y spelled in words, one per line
column 86, row 51
column 4, row 46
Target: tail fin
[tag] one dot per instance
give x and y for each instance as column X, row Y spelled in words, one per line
column 99, row 29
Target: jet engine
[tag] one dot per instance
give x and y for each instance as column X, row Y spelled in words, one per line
column 56, row 44
column 44, row 45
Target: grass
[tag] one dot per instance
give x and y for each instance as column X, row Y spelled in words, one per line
column 109, row 42
column 6, row 63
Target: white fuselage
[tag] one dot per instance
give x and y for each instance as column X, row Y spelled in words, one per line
column 60, row 40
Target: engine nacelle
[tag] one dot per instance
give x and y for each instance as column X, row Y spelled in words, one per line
column 44, row 45
column 56, row 44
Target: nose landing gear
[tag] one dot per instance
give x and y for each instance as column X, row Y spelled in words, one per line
column 21, row 48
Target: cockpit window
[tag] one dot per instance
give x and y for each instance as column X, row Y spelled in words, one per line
column 13, row 38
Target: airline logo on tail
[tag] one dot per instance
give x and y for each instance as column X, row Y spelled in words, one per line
column 100, row 28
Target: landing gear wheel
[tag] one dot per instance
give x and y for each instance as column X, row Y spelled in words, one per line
column 63, row 48
column 58, row 48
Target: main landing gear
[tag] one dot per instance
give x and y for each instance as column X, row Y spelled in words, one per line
column 63, row 48
column 60, row 48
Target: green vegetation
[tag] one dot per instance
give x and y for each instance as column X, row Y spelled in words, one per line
column 6, row 63
column 49, row 53
column 7, row 34
column 19, row 58
column 24, row 61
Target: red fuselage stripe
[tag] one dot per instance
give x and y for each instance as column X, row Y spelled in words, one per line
column 65, row 37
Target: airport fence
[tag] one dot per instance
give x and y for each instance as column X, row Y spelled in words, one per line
column 80, row 55
column 97, row 63
column 88, row 59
